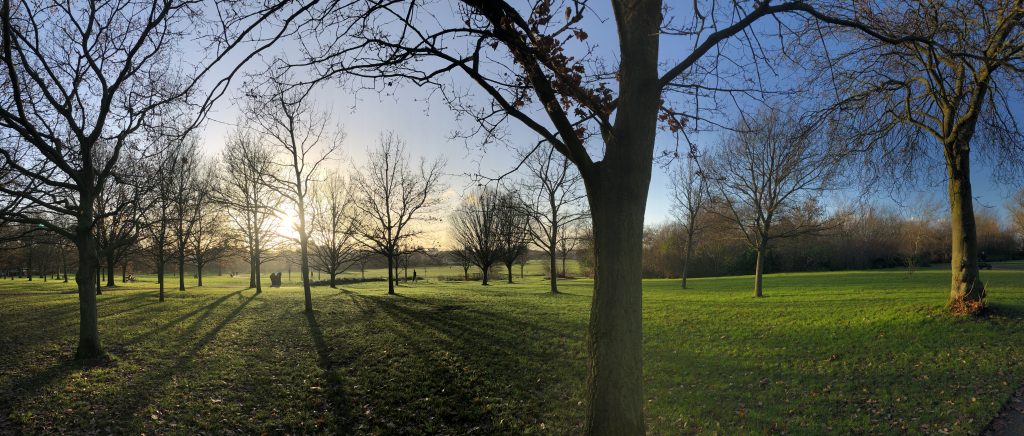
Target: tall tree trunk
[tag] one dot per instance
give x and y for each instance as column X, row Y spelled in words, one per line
column 689, row 254
column 181, row 268
column 304, row 261
column 465, row 273
column 252, row 268
column 485, row 274
column 110, row 269
column 615, row 370
column 88, row 327
column 99, row 275
column 617, row 189
column 391, row 274
column 508, row 266
column 124, row 272
column 967, row 292
column 199, row 274
column 160, row 274
column 759, row 269
column 553, row 258
column 259, row 272
column 333, row 275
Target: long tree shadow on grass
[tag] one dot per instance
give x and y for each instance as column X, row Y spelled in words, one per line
column 134, row 393
column 339, row 403
column 58, row 318
column 137, row 397
column 203, row 311
column 446, row 367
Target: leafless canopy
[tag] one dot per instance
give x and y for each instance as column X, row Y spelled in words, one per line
column 769, row 174
column 393, row 193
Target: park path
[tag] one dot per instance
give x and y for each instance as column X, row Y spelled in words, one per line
column 1010, row 420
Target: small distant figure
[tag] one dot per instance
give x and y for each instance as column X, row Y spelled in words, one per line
column 983, row 261
column 414, row 276
column 275, row 280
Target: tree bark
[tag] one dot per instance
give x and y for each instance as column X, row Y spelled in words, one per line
column 110, row 270
column 615, row 387
column 553, row 258
column 509, row 267
column 333, row 275
column 252, row 268
column 304, row 254
column 160, row 274
column 181, row 269
column 124, row 272
column 689, row 254
column 759, row 270
column 484, row 270
column 88, row 333
column 967, row 291
column 391, row 274
column 199, row 274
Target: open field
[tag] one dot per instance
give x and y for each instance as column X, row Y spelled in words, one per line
column 863, row 352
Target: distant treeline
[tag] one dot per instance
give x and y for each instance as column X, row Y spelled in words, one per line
column 868, row 238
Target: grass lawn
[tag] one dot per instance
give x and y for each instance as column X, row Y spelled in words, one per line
column 847, row 352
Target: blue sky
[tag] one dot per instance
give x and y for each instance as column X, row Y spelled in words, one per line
column 427, row 124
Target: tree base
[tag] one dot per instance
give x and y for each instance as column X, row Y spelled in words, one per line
column 967, row 297
column 966, row 306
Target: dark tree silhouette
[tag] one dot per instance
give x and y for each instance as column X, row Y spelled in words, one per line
column 245, row 189
column 474, row 227
column 334, row 248
column 285, row 118
column 392, row 195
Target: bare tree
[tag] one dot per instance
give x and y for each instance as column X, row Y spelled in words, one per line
column 463, row 257
column 120, row 203
column 555, row 190
column 1016, row 209
column 209, row 240
column 689, row 197
column 286, row 119
column 244, row 188
column 392, row 195
column 159, row 204
column 188, row 195
column 768, row 174
column 474, row 227
column 334, row 248
column 569, row 240
column 512, row 228
column 944, row 91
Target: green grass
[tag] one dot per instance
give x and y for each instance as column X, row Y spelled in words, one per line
column 847, row 352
